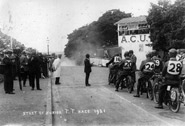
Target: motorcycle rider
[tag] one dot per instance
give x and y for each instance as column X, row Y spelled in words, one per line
column 179, row 55
column 146, row 71
column 171, row 74
column 158, row 63
column 115, row 59
column 126, row 67
column 113, row 68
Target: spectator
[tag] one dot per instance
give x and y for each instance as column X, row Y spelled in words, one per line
column 57, row 69
column 8, row 75
column 34, row 71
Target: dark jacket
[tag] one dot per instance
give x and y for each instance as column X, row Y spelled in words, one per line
column 147, row 68
column 88, row 65
column 7, row 66
column 34, row 64
column 134, row 59
column 24, row 63
column 127, row 66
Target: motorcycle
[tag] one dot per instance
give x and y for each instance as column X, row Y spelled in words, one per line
column 127, row 82
column 146, row 87
column 182, row 90
column 112, row 74
column 157, row 79
column 171, row 95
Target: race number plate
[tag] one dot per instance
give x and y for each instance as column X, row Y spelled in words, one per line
column 168, row 88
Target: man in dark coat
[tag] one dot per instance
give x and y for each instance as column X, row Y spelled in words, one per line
column 34, row 71
column 24, row 67
column 8, row 74
column 87, row 69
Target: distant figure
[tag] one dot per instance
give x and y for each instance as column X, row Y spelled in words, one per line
column 87, row 69
column 51, row 60
column 57, row 69
column 45, row 66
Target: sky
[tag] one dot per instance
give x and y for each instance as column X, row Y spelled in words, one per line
column 36, row 23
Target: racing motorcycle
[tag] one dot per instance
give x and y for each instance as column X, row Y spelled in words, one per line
column 146, row 87
column 171, row 96
column 113, row 69
column 127, row 82
column 182, row 90
column 157, row 78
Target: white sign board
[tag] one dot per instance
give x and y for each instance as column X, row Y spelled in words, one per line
column 137, row 43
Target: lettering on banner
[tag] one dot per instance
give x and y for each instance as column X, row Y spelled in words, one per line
column 131, row 38
column 123, row 39
column 142, row 39
column 134, row 38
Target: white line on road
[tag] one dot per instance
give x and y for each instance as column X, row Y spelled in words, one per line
column 108, row 90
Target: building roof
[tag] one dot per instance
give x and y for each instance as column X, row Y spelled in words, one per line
column 132, row 20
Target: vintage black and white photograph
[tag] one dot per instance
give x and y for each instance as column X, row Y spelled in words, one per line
column 92, row 62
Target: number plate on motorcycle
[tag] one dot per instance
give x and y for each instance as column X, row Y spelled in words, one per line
column 168, row 88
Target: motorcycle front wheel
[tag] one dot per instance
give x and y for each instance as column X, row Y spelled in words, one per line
column 156, row 92
column 150, row 90
column 174, row 104
column 129, row 84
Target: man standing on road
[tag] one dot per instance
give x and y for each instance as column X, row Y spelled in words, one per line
column 87, row 69
column 57, row 69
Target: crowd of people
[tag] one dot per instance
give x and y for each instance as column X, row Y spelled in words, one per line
column 26, row 67
column 33, row 66
column 170, row 70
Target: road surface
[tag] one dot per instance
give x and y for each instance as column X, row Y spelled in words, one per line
column 77, row 105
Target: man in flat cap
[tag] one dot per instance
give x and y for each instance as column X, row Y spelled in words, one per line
column 8, row 75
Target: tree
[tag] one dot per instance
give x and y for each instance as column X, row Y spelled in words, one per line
column 107, row 28
column 167, row 24
column 99, row 33
column 5, row 43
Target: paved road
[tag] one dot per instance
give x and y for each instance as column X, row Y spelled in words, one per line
column 24, row 108
column 75, row 104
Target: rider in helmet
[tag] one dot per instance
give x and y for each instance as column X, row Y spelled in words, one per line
column 113, row 69
column 126, row 67
column 146, row 71
column 179, row 55
column 115, row 59
column 171, row 73
column 158, row 64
